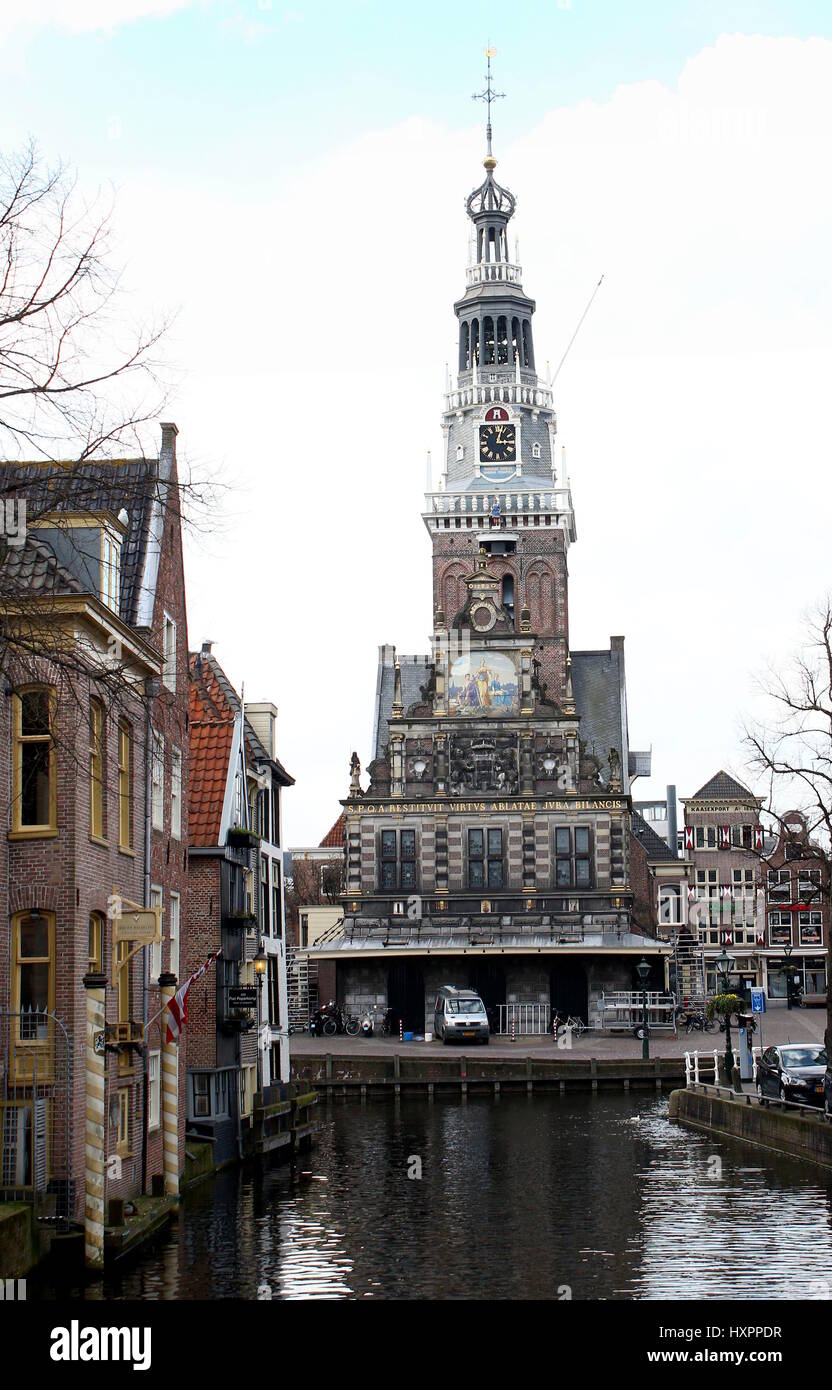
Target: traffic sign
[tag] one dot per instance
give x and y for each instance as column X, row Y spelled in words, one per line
column 758, row 1001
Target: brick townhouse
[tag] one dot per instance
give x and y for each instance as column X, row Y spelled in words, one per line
column 237, row 1034
column 794, row 955
column 313, row 910
column 724, row 842
column 94, row 788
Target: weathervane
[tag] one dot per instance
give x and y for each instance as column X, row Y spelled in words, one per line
column 488, row 95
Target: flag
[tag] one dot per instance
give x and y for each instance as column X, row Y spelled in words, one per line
column 178, row 1005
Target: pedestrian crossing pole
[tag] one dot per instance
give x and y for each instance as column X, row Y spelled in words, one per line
column 170, row 1093
column 95, row 1129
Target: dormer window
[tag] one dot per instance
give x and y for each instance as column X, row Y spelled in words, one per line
column 110, row 570
column 535, row 450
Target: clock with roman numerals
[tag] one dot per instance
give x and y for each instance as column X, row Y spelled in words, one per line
column 498, row 443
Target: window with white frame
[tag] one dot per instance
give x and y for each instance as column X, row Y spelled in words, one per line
column 535, row 450
column 154, row 1089
column 176, row 793
column 157, row 779
column 810, row 925
column 780, row 885
column 780, row 928
column 169, row 669
column 173, row 929
column 705, row 837
column 742, row 836
column 745, row 898
column 156, row 947
column 110, row 570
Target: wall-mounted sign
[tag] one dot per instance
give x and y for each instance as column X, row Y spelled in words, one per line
column 242, row 997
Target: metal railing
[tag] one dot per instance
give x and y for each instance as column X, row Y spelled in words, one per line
column 624, row 1009
column 524, row 1020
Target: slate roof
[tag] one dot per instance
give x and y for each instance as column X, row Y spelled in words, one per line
column 96, row 486
column 31, row 570
column 654, row 846
column 415, row 671
column 722, row 787
column 600, row 699
column 334, row 837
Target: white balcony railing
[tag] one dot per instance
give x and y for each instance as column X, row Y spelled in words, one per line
column 500, row 393
column 556, row 503
column 486, row 271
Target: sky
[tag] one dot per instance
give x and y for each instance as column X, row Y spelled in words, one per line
column 289, row 184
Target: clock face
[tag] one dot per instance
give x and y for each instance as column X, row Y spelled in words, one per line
column 498, row 443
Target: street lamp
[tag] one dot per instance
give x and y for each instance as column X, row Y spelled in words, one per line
column 724, row 964
column 261, row 965
column 643, row 972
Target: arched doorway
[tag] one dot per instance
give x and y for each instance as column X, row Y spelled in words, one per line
column 568, row 991
column 406, row 995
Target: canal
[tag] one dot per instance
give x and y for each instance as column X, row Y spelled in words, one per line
column 542, row 1197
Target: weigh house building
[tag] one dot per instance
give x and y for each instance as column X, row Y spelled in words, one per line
column 491, row 847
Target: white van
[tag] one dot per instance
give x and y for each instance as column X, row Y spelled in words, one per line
column 459, row 1013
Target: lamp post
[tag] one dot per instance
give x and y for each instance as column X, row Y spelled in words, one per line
column 261, row 965
column 787, row 952
column 643, row 972
column 724, row 962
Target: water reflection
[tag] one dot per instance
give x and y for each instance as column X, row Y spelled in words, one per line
column 519, row 1198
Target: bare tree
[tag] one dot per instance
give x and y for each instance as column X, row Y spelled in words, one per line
column 792, row 751
column 73, row 374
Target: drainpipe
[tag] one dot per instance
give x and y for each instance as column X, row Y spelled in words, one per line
column 151, row 688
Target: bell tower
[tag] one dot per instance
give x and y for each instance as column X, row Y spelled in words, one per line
column 499, row 490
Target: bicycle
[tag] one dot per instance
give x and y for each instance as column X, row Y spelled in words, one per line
column 571, row 1024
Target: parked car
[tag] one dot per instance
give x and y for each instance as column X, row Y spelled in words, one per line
column 459, row 1013
column 795, row 1071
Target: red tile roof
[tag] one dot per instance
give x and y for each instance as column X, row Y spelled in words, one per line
column 334, row 837
column 212, row 733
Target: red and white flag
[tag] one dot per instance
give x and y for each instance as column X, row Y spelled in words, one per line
column 178, row 1005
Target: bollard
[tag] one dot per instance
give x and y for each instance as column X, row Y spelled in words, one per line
column 513, row 1028
column 401, row 1030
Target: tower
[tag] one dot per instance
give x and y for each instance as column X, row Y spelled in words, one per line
column 499, row 489
column 490, row 848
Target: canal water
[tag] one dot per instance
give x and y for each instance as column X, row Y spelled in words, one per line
column 593, row 1197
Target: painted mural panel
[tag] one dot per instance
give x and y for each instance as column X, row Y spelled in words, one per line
column 484, row 683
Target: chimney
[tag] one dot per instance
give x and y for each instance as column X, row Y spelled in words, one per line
column 167, row 453
column 672, row 831
column 206, row 647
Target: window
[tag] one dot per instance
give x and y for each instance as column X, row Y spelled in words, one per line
column 535, row 450
column 705, row 837
column 158, row 782
column 780, row 928
column 277, row 914
column 398, row 859
column 265, row 899
column 221, row 1094
column 742, row 836
column 275, row 815
column 123, row 1141
column 35, row 786
column 274, row 992
column 96, row 769
column 811, row 927
column 485, row 858
column 96, row 942
column 33, row 966
column 201, row 1095
column 573, row 857
column 173, row 929
column 125, row 785
column 808, row 885
column 780, row 885
column 176, row 793
column 745, row 896
column 156, row 946
column 110, row 571
column 169, row 668
column 154, row 1089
